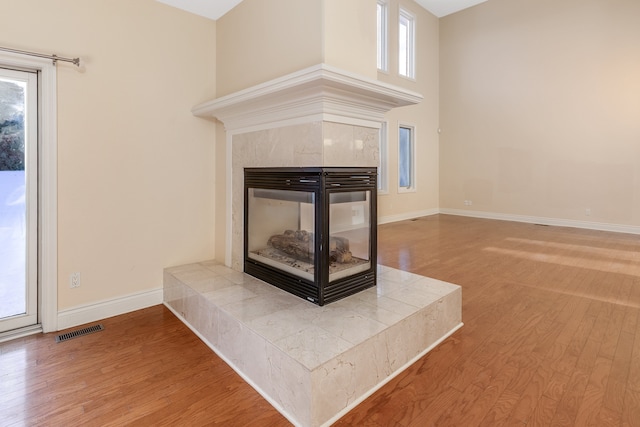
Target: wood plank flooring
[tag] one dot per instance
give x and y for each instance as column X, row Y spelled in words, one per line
column 550, row 339
column 550, row 335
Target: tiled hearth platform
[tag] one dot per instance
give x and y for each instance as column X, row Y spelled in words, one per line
column 313, row 363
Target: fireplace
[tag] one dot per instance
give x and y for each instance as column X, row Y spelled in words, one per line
column 313, row 129
column 311, row 231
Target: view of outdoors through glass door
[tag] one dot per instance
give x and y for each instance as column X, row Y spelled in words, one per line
column 18, row 199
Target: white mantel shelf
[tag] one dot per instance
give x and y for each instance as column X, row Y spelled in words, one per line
column 321, row 92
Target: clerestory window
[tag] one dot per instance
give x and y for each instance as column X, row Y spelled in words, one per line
column 383, row 8
column 406, row 45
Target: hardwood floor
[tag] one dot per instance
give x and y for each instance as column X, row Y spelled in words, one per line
column 550, row 339
column 146, row 368
column 550, row 314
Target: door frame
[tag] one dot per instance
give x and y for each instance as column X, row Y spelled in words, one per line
column 47, row 185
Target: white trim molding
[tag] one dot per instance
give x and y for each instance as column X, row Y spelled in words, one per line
column 406, row 216
column 101, row 310
column 317, row 93
column 49, row 199
column 558, row 222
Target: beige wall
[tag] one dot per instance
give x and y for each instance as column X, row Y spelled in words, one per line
column 424, row 117
column 261, row 40
column 349, row 36
column 538, row 102
column 540, row 108
column 135, row 175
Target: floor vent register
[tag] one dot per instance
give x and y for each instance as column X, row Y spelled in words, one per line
column 80, row 332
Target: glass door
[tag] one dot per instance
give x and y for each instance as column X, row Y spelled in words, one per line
column 18, row 199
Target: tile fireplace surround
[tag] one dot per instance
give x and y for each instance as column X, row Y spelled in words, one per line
column 311, row 363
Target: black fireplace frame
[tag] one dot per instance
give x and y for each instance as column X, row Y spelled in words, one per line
column 322, row 181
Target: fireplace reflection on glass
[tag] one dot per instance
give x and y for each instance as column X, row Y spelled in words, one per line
column 311, row 231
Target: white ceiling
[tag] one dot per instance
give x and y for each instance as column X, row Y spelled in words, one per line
column 214, row 9
column 442, row 8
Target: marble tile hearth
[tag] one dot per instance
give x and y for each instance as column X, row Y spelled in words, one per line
column 313, row 364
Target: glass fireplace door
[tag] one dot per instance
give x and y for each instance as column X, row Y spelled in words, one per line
column 281, row 228
column 349, row 233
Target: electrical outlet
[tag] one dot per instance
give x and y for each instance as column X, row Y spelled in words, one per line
column 74, row 280
column 587, row 212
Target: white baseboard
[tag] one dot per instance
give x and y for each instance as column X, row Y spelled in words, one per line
column 600, row 226
column 101, row 310
column 406, row 216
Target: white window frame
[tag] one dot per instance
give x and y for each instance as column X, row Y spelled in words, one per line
column 411, row 188
column 383, row 153
column 383, row 35
column 407, row 44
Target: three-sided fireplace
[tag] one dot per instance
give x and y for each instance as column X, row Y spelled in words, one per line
column 311, row 231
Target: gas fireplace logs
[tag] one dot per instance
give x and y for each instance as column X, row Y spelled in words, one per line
column 299, row 244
